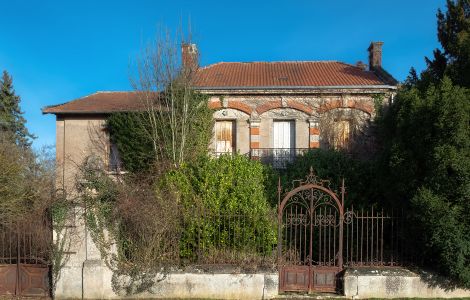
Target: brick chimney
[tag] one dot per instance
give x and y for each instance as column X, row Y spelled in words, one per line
column 190, row 56
column 375, row 55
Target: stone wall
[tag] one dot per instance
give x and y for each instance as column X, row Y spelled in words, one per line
column 362, row 283
column 93, row 280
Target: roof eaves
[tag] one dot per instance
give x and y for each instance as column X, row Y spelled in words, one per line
column 384, row 86
column 88, row 112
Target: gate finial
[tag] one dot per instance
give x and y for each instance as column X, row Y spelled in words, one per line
column 311, row 177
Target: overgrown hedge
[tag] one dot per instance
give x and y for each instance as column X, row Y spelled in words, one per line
column 359, row 175
column 130, row 133
column 220, row 188
column 426, row 138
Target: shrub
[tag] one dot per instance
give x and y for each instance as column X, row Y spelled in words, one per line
column 178, row 134
column 230, row 193
column 334, row 166
column 129, row 132
column 427, row 155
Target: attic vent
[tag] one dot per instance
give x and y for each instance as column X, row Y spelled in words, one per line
column 283, row 78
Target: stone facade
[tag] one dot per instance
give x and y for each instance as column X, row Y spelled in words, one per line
column 254, row 114
column 78, row 137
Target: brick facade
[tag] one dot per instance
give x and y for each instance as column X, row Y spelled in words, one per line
column 307, row 110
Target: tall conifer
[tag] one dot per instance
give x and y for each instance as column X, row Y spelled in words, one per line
column 12, row 122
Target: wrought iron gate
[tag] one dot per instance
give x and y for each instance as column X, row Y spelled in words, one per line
column 24, row 269
column 310, row 236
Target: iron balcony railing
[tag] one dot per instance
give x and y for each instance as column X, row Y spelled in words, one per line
column 278, row 158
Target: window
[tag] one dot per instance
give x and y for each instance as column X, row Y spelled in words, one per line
column 225, row 137
column 114, row 159
column 284, row 134
column 341, row 134
column 283, row 143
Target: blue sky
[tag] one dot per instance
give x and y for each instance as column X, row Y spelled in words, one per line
column 57, row 51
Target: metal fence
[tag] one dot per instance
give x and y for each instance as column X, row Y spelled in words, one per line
column 373, row 238
column 243, row 239
column 24, row 243
column 25, row 258
column 278, row 158
column 370, row 238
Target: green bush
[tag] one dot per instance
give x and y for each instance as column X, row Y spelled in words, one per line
column 427, row 155
column 130, row 133
column 225, row 205
column 359, row 178
column 176, row 133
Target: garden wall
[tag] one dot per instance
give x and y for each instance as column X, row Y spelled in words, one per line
column 95, row 281
column 361, row 283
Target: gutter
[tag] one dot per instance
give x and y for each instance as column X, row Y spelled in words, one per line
column 81, row 112
column 288, row 87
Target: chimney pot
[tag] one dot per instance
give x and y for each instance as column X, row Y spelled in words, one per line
column 375, row 55
column 189, row 56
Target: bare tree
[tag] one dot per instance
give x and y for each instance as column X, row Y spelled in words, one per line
column 163, row 80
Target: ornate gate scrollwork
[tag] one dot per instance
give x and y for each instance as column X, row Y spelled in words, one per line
column 310, row 232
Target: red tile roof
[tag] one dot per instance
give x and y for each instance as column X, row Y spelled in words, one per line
column 284, row 74
column 100, row 102
column 227, row 75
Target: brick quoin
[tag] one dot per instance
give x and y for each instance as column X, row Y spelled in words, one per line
column 314, row 145
column 254, row 145
column 299, row 106
column 240, row 106
column 314, row 131
column 268, row 106
column 254, row 130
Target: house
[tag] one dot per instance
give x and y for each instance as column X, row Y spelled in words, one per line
column 269, row 110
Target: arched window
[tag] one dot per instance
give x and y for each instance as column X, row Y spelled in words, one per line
column 225, row 137
column 341, row 134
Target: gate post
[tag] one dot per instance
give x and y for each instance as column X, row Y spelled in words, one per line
column 17, row 286
column 341, row 220
column 279, row 223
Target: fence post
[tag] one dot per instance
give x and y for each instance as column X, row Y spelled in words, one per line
column 279, row 221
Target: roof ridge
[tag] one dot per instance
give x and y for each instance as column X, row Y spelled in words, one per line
column 354, row 66
column 270, row 62
column 104, row 92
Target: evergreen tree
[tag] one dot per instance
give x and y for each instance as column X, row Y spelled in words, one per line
column 453, row 31
column 426, row 153
column 12, row 122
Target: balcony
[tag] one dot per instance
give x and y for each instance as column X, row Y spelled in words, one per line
column 278, row 158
